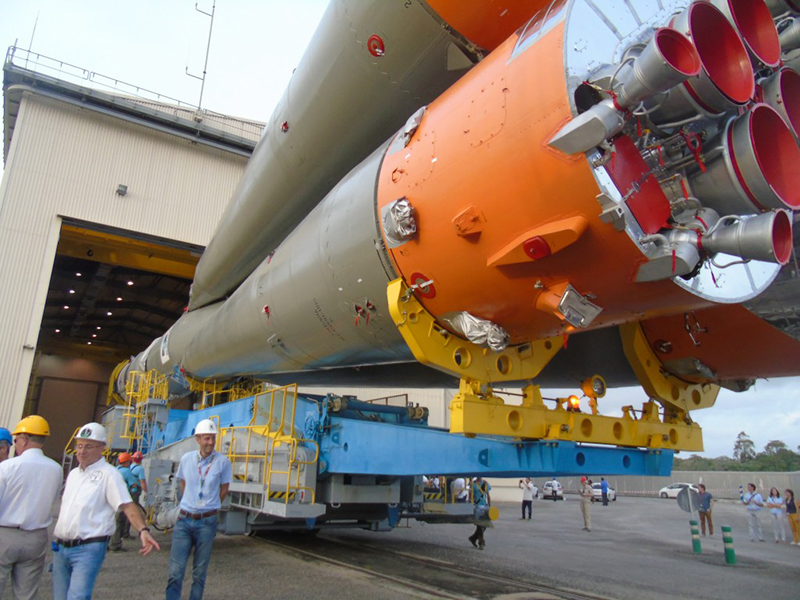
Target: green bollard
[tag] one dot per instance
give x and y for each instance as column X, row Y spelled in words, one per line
column 695, row 537
column 727, row 539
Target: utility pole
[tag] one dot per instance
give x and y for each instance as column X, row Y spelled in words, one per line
column 208, row 50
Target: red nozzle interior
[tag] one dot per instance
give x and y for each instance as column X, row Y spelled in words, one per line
column 782, row 237
column 678, row 51
column 790, row 93
column 758, row 30
column 722, row 52
column 777, row 153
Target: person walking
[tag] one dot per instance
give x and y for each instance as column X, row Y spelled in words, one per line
column 753, row 502
column 6, row 442
column 527, row 497
column 705, row 510
column 792, row 513
column 555, row 487
column 93, row 494
column 123, row 525
column 604, row 490
column 29, row 484
column 138, row 471
column 480, row 498
column 587, row 494
column 777, row 508
column 204, row 476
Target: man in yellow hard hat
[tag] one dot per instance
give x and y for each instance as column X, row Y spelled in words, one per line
column 29, row 484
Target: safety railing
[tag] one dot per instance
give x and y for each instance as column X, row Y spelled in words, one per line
column 252, row 448
column 140, row 388
column 445, row 493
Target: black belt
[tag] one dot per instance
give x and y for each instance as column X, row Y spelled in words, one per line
column 81, row 542
column 197, row 516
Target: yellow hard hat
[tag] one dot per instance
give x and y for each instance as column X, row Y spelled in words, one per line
column 33, row 425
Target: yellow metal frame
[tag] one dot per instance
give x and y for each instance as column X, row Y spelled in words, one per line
column 141, row 387
column 677, row 396
column 100, row 246
column 275, row 436
column 476, row 410
column 436, row 347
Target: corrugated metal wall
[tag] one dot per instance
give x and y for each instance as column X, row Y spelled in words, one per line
column 67, row 161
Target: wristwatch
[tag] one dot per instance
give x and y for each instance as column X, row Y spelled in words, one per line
column 143, row 529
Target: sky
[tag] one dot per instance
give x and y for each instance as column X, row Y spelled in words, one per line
column 255, row 46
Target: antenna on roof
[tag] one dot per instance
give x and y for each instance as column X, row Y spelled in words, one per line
column 208, row 49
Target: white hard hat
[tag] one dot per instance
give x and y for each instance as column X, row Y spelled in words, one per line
column 206, row 426
column 92, row 431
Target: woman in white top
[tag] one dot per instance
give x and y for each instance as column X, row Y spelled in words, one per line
column 777, row 508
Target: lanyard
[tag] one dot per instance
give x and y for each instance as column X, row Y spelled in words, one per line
column 201, row 474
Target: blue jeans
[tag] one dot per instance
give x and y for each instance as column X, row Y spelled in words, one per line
column 188, row 533
column 75, row 570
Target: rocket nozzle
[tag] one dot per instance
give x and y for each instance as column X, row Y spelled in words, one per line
column 668, row 59
column 727, row 75
column 756, row 167
column 780, row 7
column 766, row 237
column 754, row 22
column 782, row 92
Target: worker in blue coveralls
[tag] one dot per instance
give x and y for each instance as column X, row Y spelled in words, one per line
column 123, row 525
column 480, row 498
column 204, row 476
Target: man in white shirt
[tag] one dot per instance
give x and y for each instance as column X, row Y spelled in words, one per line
column 459, row 489
column 204, row 476
column 753, row 502
column 92, row 496
column 29, row 484
column 527, row 497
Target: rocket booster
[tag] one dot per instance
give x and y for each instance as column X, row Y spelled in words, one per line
column 600, row 166
column 370, row 64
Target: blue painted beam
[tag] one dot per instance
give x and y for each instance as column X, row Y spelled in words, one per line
column 361, row 447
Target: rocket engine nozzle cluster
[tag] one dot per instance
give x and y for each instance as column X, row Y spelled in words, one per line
column 736, row 155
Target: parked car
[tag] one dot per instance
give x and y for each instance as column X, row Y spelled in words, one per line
column 547, row 491
column 672, row 490
column 598, row 492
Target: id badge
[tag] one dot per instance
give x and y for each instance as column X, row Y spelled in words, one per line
column 201, row 502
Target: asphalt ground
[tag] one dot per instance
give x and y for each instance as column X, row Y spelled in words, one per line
column 639, row 548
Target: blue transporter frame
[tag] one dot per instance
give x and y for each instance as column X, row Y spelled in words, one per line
column 364, row 439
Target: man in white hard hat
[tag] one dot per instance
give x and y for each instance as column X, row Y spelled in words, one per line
column 29, row 484
column 204, row 477
column 92, row 496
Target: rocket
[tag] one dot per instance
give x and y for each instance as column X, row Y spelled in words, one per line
column 522, row 176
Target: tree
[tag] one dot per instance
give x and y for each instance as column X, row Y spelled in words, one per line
column 773, row 446
column 744, row 450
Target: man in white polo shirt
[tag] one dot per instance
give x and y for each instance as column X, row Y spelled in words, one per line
column 204, row 476
column 29, row 484
column 92, row 496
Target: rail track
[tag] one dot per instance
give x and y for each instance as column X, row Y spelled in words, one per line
column 430, row 576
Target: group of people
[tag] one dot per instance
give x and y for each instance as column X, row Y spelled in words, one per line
column 781, row 507
column 98, row 503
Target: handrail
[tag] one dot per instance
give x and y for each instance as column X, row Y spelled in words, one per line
column 279, row 429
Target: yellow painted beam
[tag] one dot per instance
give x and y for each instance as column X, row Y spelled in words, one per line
column 113, row 249
column 436, row 347
column 487, row 414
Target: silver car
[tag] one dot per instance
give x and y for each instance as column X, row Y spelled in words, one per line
column 672, row 490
